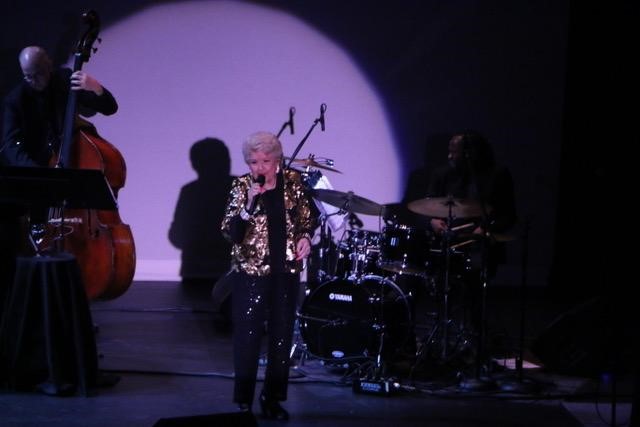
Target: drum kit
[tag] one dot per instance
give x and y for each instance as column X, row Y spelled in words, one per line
column 358, row 310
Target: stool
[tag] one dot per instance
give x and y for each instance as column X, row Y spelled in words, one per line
column 46, row 333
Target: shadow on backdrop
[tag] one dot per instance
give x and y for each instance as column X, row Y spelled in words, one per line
column 434, row 154
column 195, row 229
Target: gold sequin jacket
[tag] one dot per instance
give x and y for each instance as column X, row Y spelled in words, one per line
column 252, row 253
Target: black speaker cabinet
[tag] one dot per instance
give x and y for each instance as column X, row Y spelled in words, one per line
column 231, row 419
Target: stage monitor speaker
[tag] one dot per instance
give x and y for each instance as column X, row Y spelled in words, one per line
column 588, row 340
column 230, row 419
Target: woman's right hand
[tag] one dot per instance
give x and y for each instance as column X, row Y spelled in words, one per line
column 255, row 190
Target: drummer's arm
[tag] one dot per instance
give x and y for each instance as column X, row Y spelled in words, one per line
column 438, row 225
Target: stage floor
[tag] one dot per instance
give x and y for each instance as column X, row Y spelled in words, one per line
column 159, row 339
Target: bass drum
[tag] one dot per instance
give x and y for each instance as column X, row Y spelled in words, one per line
column 346, row 319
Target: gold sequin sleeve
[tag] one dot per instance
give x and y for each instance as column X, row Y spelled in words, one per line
column 250, row 238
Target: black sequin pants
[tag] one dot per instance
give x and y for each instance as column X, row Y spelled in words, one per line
column 256, row 300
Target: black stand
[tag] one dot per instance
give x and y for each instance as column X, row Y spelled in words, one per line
column 323, row 108
column 46, row 334
column 46, row 188
column 520, row 384
column 479, row 382
column 56, row 187
column 443, row 322
column 288, row 123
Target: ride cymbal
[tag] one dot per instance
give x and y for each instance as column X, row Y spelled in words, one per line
column 348, row 201
column 442, row 207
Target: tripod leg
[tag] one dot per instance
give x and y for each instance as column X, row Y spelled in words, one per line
column 421, row 353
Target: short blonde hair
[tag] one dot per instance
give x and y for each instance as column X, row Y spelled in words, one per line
column 264, row 142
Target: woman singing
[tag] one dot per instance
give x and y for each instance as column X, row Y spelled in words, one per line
column 268, row 220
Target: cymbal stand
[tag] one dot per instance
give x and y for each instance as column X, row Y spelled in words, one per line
column 445, row 293
column 442, row 321
column 480, row 383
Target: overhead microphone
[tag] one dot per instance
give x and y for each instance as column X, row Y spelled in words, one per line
column 260, row 180
column 292, row 112
column 323, row 108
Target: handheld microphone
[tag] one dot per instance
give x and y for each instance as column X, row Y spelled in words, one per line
column 292, row 112
column 323, row 108
column 260, row 180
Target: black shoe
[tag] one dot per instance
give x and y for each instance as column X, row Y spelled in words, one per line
column 244, row 407
column 272, row 410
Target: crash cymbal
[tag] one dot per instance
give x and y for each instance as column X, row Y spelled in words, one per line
column 348, row 201
column 441, row 207
column 312, row 163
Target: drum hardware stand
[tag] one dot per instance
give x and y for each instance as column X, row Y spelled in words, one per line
column 325, row 247
column 298, row 344
column 478, row 383
column 443, row 322
column 445, row 294
column 376, row 382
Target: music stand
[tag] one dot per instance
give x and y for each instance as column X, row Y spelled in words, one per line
column 43, row 187
column 56, row 188
column 54, row 282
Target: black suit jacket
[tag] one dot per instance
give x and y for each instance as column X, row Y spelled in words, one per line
column 33, row 121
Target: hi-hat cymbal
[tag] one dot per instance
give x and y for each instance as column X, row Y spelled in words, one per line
column 441, row 207
column 348, row 201
column 312, row 163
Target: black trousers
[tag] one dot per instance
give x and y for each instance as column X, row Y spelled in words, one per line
column 256, row 300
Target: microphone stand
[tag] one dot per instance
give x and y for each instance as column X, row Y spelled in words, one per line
column 320, row 119
column 520, row 385
column 288, row 123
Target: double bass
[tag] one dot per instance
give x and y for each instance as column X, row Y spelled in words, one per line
column 102, row 244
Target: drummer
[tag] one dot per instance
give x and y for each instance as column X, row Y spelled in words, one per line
column 484, row 189
column 469, row 200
